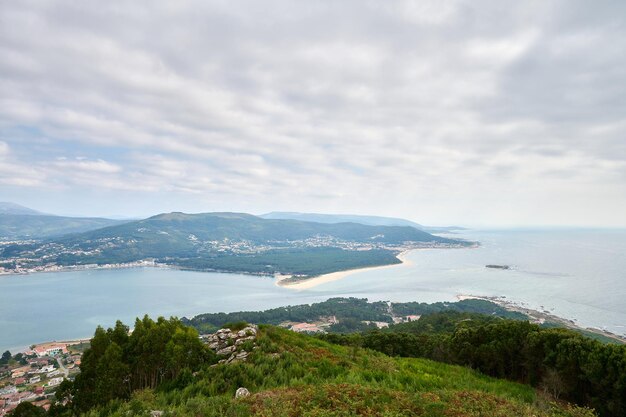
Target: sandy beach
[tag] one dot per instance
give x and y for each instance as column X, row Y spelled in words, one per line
column 312, row 282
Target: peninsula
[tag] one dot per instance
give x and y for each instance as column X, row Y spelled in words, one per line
column 223, row 242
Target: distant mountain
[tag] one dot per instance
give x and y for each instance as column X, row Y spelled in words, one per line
column 12, row 208
column 175, row 229
column 355, row 218
column 236, row 242
column 341, row 218
column 19, row 222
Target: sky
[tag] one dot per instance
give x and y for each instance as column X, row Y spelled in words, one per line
column 478, row 113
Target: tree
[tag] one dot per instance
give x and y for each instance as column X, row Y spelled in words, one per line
column 553, row 383
column 113, row 375
column 27, row 409
column 118, row 363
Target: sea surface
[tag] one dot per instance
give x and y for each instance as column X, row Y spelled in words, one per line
column 575, row 274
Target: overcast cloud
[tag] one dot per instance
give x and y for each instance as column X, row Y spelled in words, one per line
column 464, row 112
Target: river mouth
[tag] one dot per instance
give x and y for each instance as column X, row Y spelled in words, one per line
column 576, row 276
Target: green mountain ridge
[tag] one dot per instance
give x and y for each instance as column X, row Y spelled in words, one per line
column 233, row 242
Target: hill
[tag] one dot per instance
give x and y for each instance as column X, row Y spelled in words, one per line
column 39, row 226
column 341, row 218
column 234, row 242
column 12, row 208
column 283, row 373
column 355, row 218
column 241, row 226
column 22, row 223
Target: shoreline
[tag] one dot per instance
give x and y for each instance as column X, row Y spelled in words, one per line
column 88, row 267
column 312, row 282
column 535, row 316
column 30, row 348
column 539, row 317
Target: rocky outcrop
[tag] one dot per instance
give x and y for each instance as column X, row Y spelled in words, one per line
column 229, row 343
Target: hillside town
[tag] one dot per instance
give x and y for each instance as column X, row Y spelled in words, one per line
column 35, row 375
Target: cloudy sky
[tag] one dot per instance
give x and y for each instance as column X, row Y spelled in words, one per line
column 443, row 112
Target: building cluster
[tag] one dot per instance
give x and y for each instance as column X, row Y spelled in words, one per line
column 322, row 324
column 35, row 375
column 319, row 326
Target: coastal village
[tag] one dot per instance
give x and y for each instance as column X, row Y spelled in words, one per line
column 35, row 375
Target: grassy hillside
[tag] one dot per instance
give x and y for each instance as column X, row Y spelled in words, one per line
column 291, row 374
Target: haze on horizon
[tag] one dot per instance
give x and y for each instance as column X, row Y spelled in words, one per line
column 456, row 112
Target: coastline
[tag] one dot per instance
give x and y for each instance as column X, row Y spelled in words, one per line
column 308, row 283
column 87, row 267
column 541, row 317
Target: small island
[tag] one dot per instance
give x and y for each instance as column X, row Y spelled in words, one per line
column 492, row 266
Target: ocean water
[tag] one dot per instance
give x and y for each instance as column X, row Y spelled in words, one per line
column 576, row 274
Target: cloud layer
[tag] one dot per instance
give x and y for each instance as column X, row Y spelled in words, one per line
column 442, row 112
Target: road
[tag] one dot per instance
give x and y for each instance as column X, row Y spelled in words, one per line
column 62, row 367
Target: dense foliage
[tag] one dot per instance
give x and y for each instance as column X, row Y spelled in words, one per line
column 344, row 309
column 26, row 409
column 467, row 306
column 7, row 358
column 562, row 362
column 350, row 312
column 301, row 262
column 118, row 363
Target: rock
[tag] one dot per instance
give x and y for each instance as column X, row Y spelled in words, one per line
column 242, row 392
column 227, row 350
column 243, row 340
column 227, row 343
column 242, row 356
